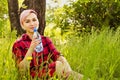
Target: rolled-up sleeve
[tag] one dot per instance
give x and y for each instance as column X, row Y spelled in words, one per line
column 17, row 53
column 55, row 53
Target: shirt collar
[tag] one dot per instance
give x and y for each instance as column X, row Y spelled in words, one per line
column 25, row 37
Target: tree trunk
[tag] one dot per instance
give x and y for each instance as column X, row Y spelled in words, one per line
column 38, row 5
column 14, row 17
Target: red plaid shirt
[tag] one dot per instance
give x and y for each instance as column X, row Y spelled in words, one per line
column 42, row 63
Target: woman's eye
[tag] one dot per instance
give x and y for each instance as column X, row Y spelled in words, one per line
column 34, row 19
column 27, row 21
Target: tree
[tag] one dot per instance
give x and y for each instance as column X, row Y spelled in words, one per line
column 86, row 16
column 38, row 5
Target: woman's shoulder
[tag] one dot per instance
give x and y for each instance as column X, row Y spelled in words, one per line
column 46, row 38
column 18, row 41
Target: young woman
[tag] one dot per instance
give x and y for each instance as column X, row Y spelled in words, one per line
column 44, row 64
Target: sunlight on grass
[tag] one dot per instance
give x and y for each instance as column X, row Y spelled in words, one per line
column 95, row 55
column 7, row 65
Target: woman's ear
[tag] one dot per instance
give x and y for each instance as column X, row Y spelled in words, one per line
column 23, row 27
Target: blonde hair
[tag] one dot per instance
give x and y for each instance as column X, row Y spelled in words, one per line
column 24, row 14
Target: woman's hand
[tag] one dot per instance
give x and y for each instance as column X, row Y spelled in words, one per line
column 34, row 43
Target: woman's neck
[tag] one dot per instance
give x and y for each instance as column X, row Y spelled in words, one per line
column 30, row 35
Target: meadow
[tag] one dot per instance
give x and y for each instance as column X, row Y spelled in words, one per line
column 95, row 55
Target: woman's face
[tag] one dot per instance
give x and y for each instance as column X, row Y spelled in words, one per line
column 30, row 22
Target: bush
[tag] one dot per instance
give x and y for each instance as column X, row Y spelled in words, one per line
column 86, row 16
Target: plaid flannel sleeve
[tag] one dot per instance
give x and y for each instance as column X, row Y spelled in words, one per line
column 55, row 53
column 17, row 53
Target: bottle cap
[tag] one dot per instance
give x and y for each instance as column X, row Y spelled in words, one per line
column 35, row 30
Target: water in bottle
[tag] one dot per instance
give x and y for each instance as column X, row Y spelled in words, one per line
column 39, row 47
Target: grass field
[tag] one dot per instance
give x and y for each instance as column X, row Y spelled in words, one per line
column 95, row 55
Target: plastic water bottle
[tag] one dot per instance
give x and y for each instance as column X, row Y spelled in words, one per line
column 39, row 47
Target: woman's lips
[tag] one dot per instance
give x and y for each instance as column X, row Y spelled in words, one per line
column 32, row 28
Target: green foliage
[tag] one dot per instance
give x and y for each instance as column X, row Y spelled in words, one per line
column 3, row 15
column 3, row 7
column 85, row 16
column 97, row 13
column 7, row 65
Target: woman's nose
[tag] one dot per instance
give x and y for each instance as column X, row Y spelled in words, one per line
column 31, row 23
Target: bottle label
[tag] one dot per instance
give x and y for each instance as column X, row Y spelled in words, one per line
column 39, row 47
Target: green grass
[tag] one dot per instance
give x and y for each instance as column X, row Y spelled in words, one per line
column 95, row 55
column 7, row 65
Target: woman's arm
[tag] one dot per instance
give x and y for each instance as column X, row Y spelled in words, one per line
column 62, row 67
column 25, row 63
column 64, row 70
column 65, row 63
